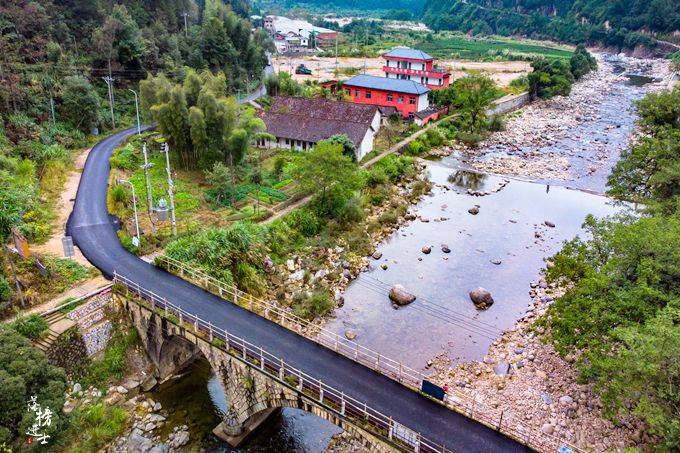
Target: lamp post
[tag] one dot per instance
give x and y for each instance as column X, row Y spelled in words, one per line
column 149, row 195
column 166, row 149
column 134, row 207
column 139, row 126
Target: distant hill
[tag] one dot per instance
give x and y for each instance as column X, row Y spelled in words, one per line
column 615, row 23
column 415, row 7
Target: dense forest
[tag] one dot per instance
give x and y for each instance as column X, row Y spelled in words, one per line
column 616, row 23
column 414, row 7
column 43, row 42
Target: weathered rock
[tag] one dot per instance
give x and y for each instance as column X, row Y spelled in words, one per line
column 148, row 383
column 474, row 210
column 548, row 223
column 496, row 261
column 481, row 298
column 566, row 400
column 77, row 387
column 426, row 249
column 400, row 296
column 377, row 255
column 548, row 428
column 350, row 334
column 290, row 265
column 268, row 265
column 501, row 369
column 445, row 248
column 383, row 266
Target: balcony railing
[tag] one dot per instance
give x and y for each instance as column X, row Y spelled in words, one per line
column 436, row 74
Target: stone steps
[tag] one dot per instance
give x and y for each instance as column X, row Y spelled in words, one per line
column 58, row 323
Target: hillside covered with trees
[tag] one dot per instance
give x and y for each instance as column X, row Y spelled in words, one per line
column 615, row 23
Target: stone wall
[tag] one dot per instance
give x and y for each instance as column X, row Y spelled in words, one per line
column 90, row 318
column 69, row 352
column 508, row 103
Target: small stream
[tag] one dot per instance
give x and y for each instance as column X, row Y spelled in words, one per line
column 196, row 399
column 502, row 248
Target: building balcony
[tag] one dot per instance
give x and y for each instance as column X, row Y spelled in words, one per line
column 434, row 73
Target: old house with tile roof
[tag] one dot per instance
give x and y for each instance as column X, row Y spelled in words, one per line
column 299, row 123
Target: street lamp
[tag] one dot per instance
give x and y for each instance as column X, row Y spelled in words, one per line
column 139, row 126
column 135, row 240
column 165, row 148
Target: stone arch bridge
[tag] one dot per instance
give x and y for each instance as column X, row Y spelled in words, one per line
column 256, row 384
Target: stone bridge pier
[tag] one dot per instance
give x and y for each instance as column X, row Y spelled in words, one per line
column 252, row 395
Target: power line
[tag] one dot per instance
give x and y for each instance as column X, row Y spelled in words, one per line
column 468, row 324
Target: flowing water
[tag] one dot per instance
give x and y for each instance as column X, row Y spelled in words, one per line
column 502, row 248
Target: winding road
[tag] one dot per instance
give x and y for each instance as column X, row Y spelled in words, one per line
column 94, row 232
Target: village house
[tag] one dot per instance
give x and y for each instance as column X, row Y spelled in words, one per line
column 299, row 123
column 406, row 96
column 292, row 35
column 412, row 64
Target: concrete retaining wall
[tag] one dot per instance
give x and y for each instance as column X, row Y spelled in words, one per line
column 508, row 103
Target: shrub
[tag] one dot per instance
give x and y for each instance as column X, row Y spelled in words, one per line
column 305, row 221
column 312, row 306
column 33, row 326
column 95, row 426
column 496, row 124
column 352, row 212
column 5, row 289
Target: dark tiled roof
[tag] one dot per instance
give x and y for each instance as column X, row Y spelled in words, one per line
column 313, row 120
column 429, row 111
column 405, row 52
column 387, row 84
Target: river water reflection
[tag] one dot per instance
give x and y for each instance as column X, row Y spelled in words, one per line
column 504, row 230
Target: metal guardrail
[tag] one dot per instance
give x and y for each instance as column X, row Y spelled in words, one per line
column 276, row 368
column 396, row 370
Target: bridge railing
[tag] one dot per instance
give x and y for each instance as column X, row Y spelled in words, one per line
column 283, row 316
column 465, row 404
column 276, row 368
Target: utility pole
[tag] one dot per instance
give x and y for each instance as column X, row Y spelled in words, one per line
column 109, row 83
column 336, row 54
column 186, row 33
column 139, row 126
column 166, row 149
column 135, row 240
column 149, row 195
column 8, row 253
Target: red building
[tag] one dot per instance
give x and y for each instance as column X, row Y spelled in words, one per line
column 411, row 64
column 407, row 96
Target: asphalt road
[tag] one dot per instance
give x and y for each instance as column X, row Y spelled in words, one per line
column 94, row 233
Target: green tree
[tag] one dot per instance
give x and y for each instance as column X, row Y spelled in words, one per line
column 550, row 78
column 326, row 171
column 25, row 372
column 659, row 110
column 79, row 103
column 348, row 148
column 582, row 62
column 222, row 183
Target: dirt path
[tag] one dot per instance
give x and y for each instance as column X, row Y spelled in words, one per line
column 64, row 206
column 82, row 289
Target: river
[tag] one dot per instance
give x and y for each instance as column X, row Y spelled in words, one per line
column 502, row 248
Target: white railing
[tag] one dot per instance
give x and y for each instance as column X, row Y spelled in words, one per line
column 396, row 370
column 276, row 368
column 284, row 317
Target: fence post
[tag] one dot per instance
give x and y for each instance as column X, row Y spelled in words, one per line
column 196, row 326
column 390, row 432
column 235, row 295
column 226, row 340
column 261, row 359
column 210, row 329
column 180, row 319
column 342, row 403
column 320, row 391
column 219, row 286
column 165, row 305
column 356, row 352
column 300, row 382
column 243, row 342
column 400, row 371
column 377, row 363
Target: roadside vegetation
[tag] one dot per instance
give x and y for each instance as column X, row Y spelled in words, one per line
column 620, row 315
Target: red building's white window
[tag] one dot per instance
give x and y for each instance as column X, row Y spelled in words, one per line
column 389, row 97
column 357, row 93
column 400, row 99
column 411, row 100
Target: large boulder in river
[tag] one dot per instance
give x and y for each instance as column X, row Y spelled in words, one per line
column 481, row 298
column 400, row 296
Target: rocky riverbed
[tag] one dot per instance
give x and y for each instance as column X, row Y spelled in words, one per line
column 573, row 139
